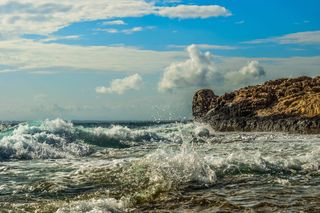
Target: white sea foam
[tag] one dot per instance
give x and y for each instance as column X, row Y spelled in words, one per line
column 175, row 132
column 200, row 163
column 176, row 167
column 51, row 139
column 254, row 162
column 173, row 157
column 125, row 134
column 57, row 126
column 230, row 152
column 107, row 205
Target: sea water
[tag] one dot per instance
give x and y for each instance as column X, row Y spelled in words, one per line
column 60, row 166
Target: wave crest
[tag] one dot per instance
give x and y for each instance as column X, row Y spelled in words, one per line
column 50, row 139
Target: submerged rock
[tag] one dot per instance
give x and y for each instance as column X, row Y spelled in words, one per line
column 291, row 105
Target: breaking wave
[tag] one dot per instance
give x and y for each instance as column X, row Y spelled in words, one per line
column 192, row 164
column 50, row 139
column 40, row 140
column 116, row 168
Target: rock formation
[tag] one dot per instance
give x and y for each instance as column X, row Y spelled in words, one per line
column 291, row 105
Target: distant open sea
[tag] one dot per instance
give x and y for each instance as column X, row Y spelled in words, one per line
column 82, row 166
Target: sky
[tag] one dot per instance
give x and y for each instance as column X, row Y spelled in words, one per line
column 144, row 59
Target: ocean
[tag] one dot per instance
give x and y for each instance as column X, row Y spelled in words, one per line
column 60, row 166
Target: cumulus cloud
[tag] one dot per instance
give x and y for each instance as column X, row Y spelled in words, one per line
column 198, row 70
column 47, row 16
column 120, row 86
column 193, row 11
column 308, row 37
column 252, row 71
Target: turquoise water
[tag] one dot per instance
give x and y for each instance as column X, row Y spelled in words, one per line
column 59, row 166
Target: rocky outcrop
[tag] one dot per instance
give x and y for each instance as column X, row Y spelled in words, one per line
column 291, row 105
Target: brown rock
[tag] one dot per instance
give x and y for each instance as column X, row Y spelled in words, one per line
column 269, row 105
column 202, row 102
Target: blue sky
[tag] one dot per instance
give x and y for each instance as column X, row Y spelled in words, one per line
column 143, row 60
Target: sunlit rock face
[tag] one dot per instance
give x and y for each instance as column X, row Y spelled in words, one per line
column 280, row 105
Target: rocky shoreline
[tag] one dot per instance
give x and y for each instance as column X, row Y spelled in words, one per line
column 289, row 105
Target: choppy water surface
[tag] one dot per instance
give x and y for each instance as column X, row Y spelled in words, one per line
column 58, row 166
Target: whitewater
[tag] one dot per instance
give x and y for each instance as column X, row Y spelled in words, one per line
column 61, row 166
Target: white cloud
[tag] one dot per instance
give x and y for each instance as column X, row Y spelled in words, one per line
column 7, row 70
column 114, row 22
column 198, row 70
column 228, row 73
column 120, row 86
column 193, row 11
column 47, row 16
column 125, row 31
column 203, row 70
column 57, row 38
column 168, row 1
column 253, row 68
column 309, row 37
column 274, row 68
column 43, row 72
column 133, row 30
column 252, row 71
column 109, row 30
column 206, row 46
column 27, row 55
